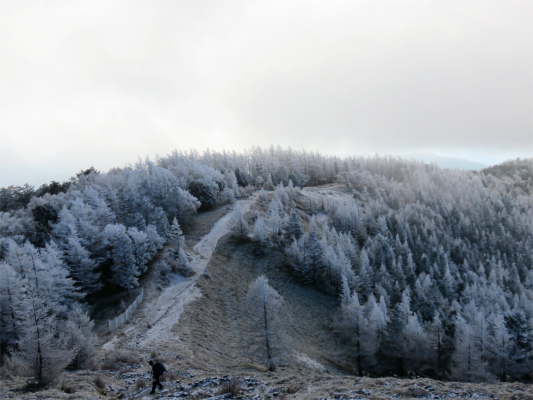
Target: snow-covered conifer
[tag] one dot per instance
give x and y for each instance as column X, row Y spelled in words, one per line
column 241, row 226
column 260, row 232
column 294, row 227
column 82, row 267
column 175, row 234
column 123, row 268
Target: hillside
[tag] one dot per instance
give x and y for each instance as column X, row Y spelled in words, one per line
column 277, row 267
column 200, row 328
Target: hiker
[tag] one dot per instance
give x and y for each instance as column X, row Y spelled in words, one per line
column 157, row 371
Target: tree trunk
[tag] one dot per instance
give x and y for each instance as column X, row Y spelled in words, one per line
column 39, row 350
column 269, row 354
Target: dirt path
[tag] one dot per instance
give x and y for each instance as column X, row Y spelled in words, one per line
column 155, row 320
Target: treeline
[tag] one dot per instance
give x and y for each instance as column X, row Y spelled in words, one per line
column 433, row 268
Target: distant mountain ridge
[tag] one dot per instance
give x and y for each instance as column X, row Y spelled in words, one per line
column 447, row 162
column 519, row 168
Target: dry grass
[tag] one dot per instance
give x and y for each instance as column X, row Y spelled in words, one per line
column 171, row 376
column 257, row 367
column 216, row 327
column 293, row 388
column 99, row 382
column 233, row 386
column 115, row 357
column 67, row 387
column 411, row 390
column 141, row 384
column 376, row 396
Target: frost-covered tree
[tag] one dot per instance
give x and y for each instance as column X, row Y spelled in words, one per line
column 416, row 344
column 80, row 338
column 439, row 345
column 41, row 348
column 140, row 249
column 11, row 304
column 260, row 230
column 314, row 256
column 353, row 326
column 521, row 343
column 241, row 226
column 82, row 267
column 499, row 348
column 123, row 267
column 468, row 364
column 175, row 234
column 264, row 303
column 294, row 227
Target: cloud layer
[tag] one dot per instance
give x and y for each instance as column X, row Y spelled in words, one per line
column 101, row 83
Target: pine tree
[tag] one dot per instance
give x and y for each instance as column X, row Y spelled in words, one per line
column 468, row 364
column 520, row 344
column 500, row 342
column 376, row 318
column 314, row 256
column 416, row 345
column 176, row 234
column 352, row 325
column 259, row 231
column 124, row 271
column 11, row 298
column 139, row 249
column 241, row 227
column 42, row 347
column 82, row 268
column 294, row 227
column 80, row 338
column 437, row 345
column 392, row 352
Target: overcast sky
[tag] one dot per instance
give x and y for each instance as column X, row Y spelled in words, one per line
column 101, row 83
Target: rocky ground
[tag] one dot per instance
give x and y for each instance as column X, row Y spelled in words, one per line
column 131, row 382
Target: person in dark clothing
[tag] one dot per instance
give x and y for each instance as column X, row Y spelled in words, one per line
column 157, row 371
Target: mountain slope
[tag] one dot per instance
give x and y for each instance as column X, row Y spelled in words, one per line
column 215, row 330
column 199, row 327
column 446, row 162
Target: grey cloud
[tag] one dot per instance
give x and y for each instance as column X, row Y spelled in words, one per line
column 108, row 81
